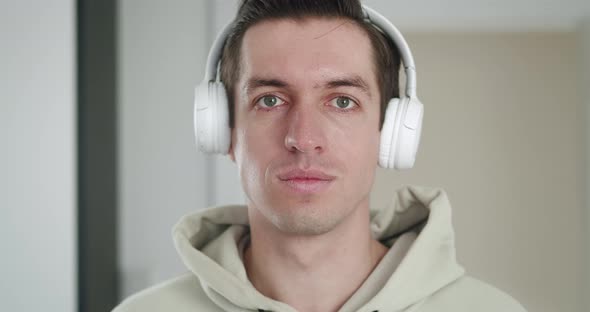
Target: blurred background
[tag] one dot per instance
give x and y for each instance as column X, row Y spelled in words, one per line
column 98, row 159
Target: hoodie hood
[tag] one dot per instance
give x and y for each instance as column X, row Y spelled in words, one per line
column 208, row 240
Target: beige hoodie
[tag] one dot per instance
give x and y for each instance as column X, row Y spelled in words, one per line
column 419, row 272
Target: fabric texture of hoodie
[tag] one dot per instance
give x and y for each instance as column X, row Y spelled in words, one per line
column 418, row 273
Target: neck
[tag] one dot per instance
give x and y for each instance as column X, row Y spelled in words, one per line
column 312, row 273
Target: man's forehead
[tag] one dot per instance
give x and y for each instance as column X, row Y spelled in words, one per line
column 321, row 51
column 312, row 27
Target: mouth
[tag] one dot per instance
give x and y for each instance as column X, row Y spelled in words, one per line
column 306, row 181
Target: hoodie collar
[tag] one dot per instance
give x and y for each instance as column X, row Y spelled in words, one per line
column 207, row 242
column 430, row 263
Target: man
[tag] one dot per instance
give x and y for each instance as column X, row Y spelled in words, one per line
column 308, row 83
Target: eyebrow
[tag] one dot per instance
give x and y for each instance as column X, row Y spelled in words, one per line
column 353, row 81
column 255, row 83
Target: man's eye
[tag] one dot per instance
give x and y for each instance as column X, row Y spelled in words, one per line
column 343, row 102
column 269, row 101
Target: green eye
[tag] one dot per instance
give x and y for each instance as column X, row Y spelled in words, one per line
column 269, row 101
column 343, row 102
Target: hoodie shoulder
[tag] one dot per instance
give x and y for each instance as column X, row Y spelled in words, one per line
column 183, row 293
column 470, row 294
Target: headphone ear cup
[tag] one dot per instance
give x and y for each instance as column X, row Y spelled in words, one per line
column 221, row 119
column 211, row 118
column 400, row 134
column 389, row 130
column 409, row 133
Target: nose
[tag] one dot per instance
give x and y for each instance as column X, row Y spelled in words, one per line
column 305, row 131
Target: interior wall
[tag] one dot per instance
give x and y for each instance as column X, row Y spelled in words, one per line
column 495, row 16
column 583, row 32
column 161, row 51
column 38, row 156
column 503, row 135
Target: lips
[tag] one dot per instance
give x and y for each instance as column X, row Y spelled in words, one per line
column 298, row 174
column 306, row 181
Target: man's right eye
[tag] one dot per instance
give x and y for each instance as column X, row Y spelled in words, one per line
column 269, row 101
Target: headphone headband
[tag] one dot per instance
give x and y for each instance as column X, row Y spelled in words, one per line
column 389, row 29
column 376, row 19
column 215, row 53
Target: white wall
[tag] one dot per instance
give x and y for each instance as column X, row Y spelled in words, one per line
column 37, row 156
column 162, row 48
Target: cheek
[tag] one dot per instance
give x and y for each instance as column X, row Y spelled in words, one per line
column 247, row 162
column 361, row 155
column 253, row 152
column 361, row 142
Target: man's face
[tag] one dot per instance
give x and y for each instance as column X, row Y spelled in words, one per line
column 306, row 134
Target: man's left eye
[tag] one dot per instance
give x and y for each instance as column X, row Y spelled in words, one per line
column 269, row 101
column 343, row 102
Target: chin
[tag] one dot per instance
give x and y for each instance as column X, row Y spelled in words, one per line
column 305, row 216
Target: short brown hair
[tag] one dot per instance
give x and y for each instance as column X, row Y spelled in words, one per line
column 385, row 53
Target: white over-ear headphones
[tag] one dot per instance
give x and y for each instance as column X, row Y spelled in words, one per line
column 400, row 134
